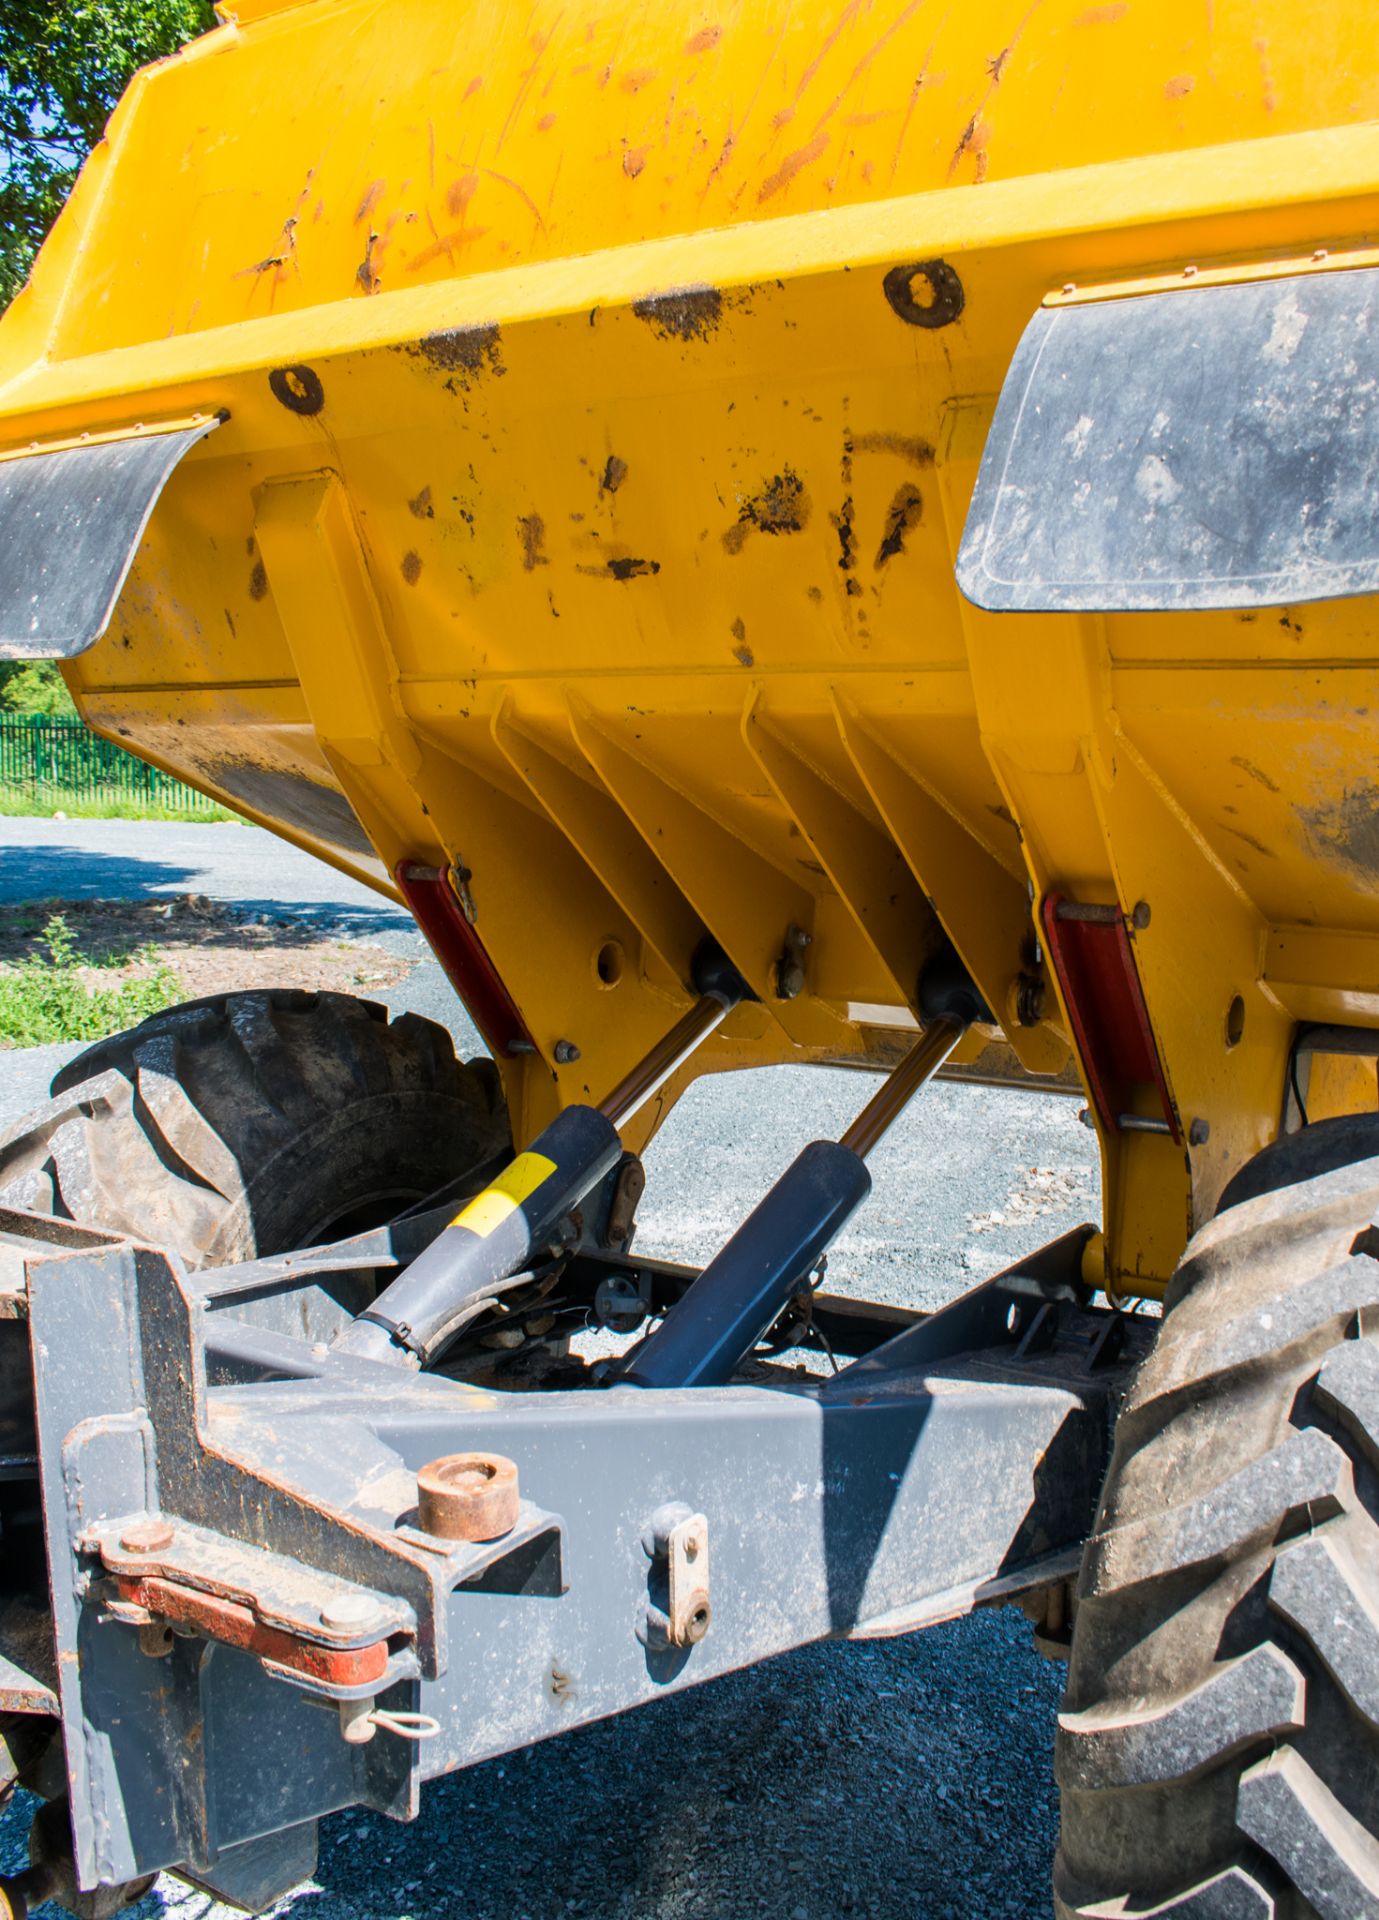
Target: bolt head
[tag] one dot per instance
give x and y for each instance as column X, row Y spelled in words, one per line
column 349, row 1612
column 153, row 1535
column 1199, row 1133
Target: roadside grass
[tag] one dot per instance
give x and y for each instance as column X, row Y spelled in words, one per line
column 48, row 803
column 49, row 997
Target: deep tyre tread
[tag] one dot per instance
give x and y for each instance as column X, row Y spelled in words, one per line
column 1218, row 1752
column 250, row 1123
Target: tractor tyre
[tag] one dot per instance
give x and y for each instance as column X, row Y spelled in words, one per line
column 251, row 1123
column 1218, row 1748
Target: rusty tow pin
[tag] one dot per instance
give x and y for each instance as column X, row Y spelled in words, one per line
column 468, row 1496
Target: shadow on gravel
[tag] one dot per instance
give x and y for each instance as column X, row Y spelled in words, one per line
column 905, row 1780
column 29, row 873
column 76, row 873
column 898, row 1780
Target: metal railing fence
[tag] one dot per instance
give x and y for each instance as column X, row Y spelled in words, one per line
column 47, row 755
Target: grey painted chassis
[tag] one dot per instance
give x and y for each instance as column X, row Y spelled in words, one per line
column 956, row 1459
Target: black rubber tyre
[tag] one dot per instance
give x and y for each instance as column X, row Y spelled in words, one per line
column 250, row 1123
column 1218, row 1752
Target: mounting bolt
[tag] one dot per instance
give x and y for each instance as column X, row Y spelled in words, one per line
column 468, row 1496
column 153, row 1535
column 790, row 970
column 1084, row 1114
column 1031, row 997
column 349, row 1612
column 566, row 1053
column 1199, row 1133
column 1140, row 918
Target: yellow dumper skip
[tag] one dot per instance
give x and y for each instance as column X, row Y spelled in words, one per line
column 579, row 413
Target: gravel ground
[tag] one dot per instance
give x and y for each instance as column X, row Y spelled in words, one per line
column 905, row 1779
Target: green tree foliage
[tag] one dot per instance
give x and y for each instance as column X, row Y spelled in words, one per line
column 33, row 686
column 63, row 65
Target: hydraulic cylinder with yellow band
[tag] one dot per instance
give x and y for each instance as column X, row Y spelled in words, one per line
column 525, row 1216
column 520, row 1217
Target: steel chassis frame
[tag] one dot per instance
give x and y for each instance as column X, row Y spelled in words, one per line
column 212, row 1486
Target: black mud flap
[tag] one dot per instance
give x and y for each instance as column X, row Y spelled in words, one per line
column 1216, row 446
column 71, row 519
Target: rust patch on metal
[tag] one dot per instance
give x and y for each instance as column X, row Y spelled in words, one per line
column 1348, row 828
column 298, row 389
column 411, row 567
column 422, row 506
column 531, row 530
column 258, row 581
column 614, row 473
column 902, row 517
column 792, row 164
column 704, row 41
column 464, row 351
column 373, row 193
column 782, row 506
column 683, row 313
column 1180, row 85
column 634, row 160
column 622, row 568
column 235, row 1625
column 459, row 194
column 847, row 546
column 639, row 77
column 366, row 273
column 918, row 452
column 742, row 652
column 975, row 137
column 1103, row 16
column 927, row 294
column 1255, row 773
column 445, row 243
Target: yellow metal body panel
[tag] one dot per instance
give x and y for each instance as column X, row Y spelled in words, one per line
column 586, row 509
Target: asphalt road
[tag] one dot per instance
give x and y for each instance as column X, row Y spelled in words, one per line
column 908, row 1779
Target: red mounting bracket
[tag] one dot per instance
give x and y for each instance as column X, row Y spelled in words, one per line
column 435, row 896
column 1090, row 951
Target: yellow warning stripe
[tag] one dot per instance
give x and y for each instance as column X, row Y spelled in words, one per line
column 489, row 1209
